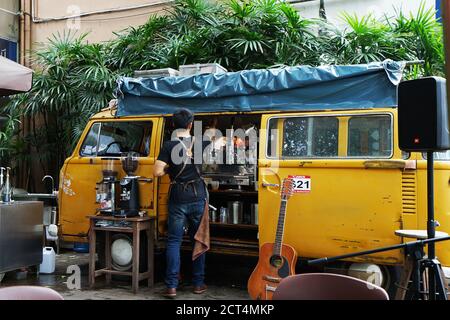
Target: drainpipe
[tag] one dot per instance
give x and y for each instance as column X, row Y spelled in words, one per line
column 29, row 34
column 322, row 13
column 445, row 11
column 18, row 178
column 323, row 16
column 25, row 47
column 22, row 34
column 25, row 32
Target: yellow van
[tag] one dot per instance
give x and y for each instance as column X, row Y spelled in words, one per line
column 362, row 187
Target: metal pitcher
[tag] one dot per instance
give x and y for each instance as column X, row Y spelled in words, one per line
column 223, row 218
column 235, row 210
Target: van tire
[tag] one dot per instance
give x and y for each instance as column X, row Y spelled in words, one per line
column 392, row 275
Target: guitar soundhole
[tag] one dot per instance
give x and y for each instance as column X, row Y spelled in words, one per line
column 276, row 261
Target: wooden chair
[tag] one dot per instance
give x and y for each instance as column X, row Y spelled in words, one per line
column 327, row 286
column 29, row 293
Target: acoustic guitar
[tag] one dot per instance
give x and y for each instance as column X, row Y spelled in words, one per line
column 276, row 260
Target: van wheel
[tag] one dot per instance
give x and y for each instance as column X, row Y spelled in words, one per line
column 2, row 275
column 391, row 276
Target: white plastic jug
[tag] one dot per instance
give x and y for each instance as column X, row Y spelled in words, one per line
column 48, row 260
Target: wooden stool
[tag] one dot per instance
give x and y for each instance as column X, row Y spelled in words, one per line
column 410, row 260
column 136, row 225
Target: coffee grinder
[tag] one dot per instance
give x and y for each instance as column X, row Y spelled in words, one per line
column 129, row 186
column 107, row 189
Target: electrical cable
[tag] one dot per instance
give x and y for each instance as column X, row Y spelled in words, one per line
column 10, row 12
column 121, row 17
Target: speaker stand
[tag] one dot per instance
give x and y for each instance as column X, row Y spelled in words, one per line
column 431, row 264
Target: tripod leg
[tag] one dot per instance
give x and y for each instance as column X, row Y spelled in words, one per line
column 439, row 277
column 417, row 281
column 444, row 279
column 405, row 278
column 426, row 284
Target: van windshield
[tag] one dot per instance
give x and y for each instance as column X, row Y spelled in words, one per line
column 113, row 138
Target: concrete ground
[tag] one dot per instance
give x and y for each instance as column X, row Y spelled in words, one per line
column 226, row 277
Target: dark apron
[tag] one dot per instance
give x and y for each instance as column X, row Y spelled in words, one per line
column 190, row 183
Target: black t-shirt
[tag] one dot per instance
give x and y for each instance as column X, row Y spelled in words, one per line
column 188, row 187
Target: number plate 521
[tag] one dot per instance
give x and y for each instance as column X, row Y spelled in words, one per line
column 301, row 183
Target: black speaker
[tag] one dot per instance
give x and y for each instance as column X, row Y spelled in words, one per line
column 423, row 123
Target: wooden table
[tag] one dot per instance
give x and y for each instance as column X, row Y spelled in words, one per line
column 138, row 224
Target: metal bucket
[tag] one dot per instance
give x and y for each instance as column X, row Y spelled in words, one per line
column 235, row 211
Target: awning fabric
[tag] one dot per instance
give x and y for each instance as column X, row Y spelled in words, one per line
column 285, row 89
column 14, row 78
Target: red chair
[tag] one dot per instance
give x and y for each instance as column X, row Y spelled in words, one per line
column 29, row 293
column 327, row 286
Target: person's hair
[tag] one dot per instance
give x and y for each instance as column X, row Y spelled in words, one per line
column 182, row 118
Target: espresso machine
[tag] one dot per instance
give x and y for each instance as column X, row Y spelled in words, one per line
column 107, row 190
column 129, row 186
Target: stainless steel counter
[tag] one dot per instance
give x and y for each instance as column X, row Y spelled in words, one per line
column 21, row 234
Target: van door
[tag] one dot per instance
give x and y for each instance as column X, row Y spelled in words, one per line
column 348, row 196
column 102, row 140
column 162, row 184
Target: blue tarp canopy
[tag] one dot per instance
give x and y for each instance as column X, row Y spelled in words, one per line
column 285, row 89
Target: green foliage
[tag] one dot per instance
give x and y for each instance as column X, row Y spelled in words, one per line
column 9, row 142
column 243, row 34
column 424, row 40
column 72, row 83
column 76, row 78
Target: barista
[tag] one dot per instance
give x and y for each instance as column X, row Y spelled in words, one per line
column 187, row 199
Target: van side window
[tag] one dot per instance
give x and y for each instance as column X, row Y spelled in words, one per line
column 370, row 136
column 272, row 138
column 310, row 137
column 88, row 149
column 114, row 138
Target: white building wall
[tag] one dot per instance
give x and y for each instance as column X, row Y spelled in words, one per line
column 99, row 18
column 378, row 8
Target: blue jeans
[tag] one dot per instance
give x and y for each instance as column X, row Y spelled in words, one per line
column 179, row 213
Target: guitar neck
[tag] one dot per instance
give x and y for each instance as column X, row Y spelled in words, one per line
column 280, row 227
